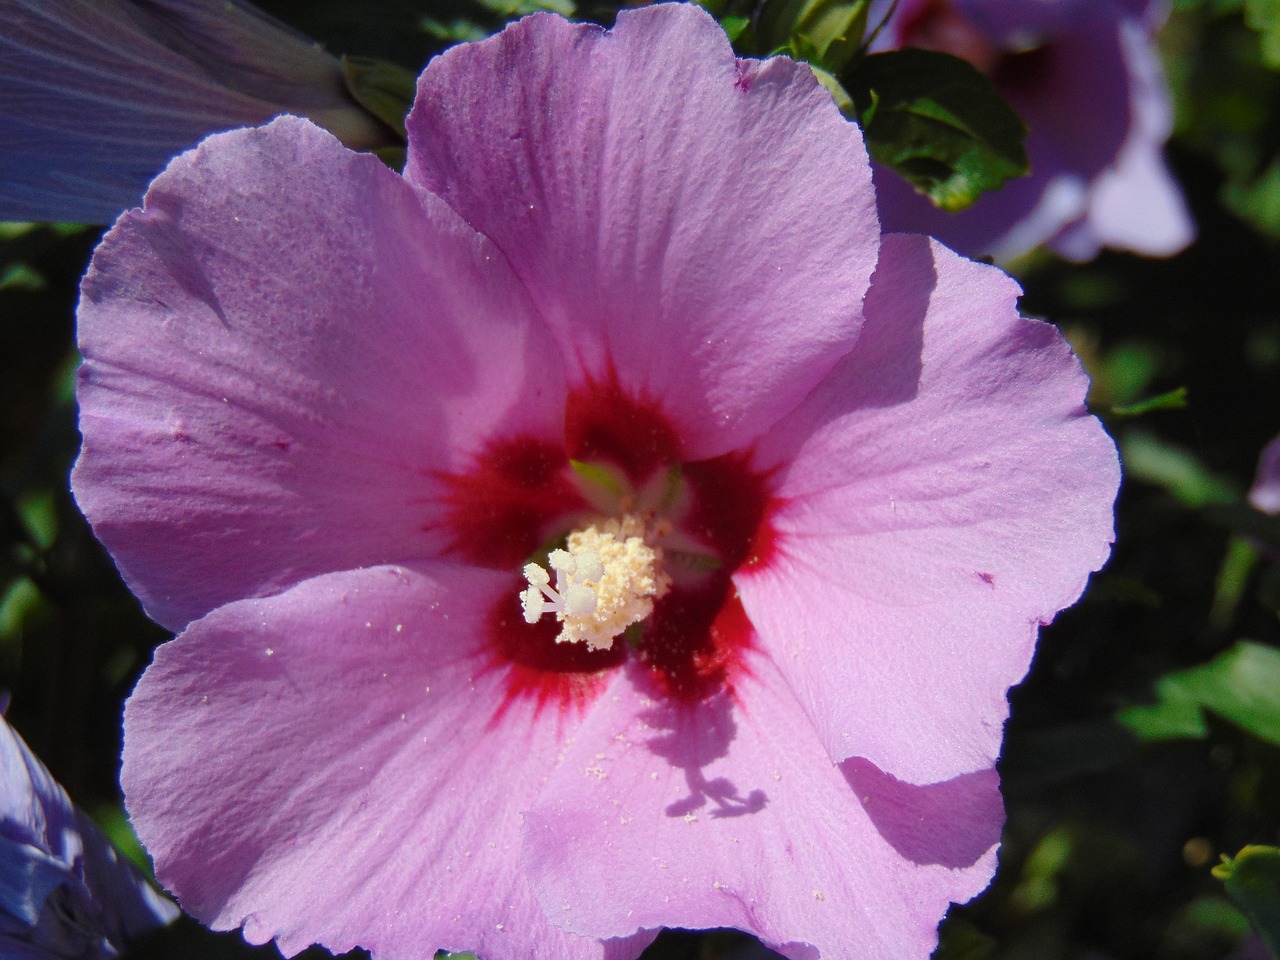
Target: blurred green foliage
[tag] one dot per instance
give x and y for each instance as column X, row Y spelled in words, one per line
column 1224, row 66
column 1252, row 879
column 1241, row 685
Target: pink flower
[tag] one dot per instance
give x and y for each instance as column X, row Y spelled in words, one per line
column 330, row 415
column 1085, row 77
column 99, row 94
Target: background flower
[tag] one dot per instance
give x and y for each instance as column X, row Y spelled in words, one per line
column 98, row 96
column 1265, row 493
column 329, row 413
column 1084, row 76
column 65, row 892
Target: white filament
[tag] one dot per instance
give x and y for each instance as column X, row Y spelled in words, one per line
column 606, row 580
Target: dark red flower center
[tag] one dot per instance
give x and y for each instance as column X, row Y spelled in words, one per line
column 523, row 496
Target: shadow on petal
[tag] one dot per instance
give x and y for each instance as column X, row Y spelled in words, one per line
column 699, row 734
column 952, row 823
column 891, row 348
column 178, row 250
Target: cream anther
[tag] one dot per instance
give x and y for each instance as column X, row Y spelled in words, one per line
column 606, row 580
column 570, row 597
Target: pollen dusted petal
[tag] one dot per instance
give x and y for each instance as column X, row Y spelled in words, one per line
column 365, row 699
column 727, row 813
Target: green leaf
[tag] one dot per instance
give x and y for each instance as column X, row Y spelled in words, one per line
column 835, row 88
column 1256, row 199
column 734, row 26
column 1263, row 16
column 457, row 30
column 1148, row 458
column 520, row 8
column 1126, row 370
column 939, row 123
column 1216, row 915
column 19, row 602
column 1038, row 887
column 12, row 229
column 1241, row 685
column 114, row 822
column 1238, row 561
column 1175, row 399
column 962, row 940
column 608, row 479
column 1243, row 519
column 1216, row 8
column 20, row 276
column 1252, row 880
column 1176, row 717
column 39, row 512
column 382, row 88
column 826, row 33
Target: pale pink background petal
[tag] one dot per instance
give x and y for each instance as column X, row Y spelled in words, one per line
column 280, row 350
column 1265, row 493
column 704, row 225
column 1097, row 107
column 325, row 766
column 944, row 493
column 730, row 813
column 1135, row 204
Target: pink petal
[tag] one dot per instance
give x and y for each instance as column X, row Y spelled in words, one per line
column 281, row 351
column 702, row 226
column 944, row 493
column 729, row 813
column 327, row 765
column 1135, row 204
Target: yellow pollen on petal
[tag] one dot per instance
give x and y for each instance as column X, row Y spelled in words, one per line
column 606, row 579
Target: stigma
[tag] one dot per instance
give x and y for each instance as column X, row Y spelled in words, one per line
column 607, row 578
